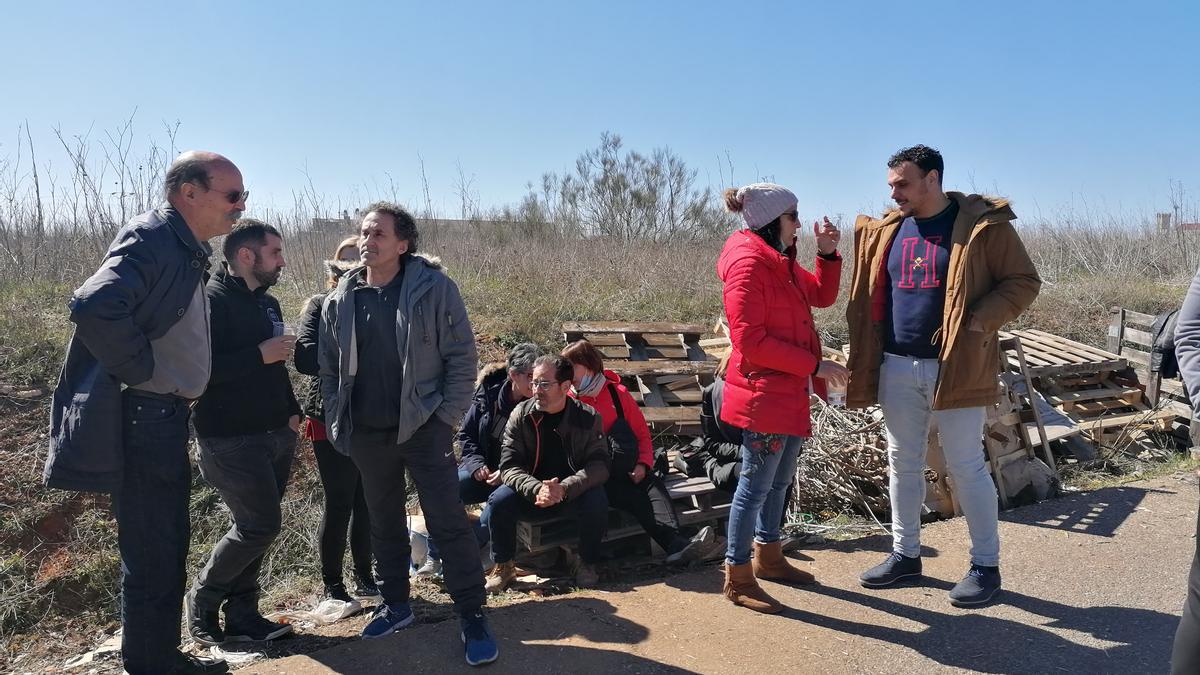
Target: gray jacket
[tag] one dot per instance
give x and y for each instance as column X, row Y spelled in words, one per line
column 1187, row 347
column 436, row 345
column 143, row 286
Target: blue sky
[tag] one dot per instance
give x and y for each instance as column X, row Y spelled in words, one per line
column 1058, row 105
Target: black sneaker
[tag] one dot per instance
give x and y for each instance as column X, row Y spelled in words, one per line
column 888, row 572
column 254, row 628
column 186, row 664
column 338, row 592
column 203, row 625
column 977, row 588
column 366, row 589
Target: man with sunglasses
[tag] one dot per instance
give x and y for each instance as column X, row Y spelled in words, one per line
column 554, row 462
column 139, row 358
column 397, row 365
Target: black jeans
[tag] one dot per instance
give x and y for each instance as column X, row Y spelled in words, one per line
column 1185, row 658
column 650, row 504
column 506, row 508
column 429, row 457
column 153, row 529
column 345, row 510
column 251, row 473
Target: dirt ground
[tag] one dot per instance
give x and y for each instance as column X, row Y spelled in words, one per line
column 1093, row 584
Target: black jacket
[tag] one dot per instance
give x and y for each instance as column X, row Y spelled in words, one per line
column 244, row 396
column 582, row 434
column 143, row 286
column 722, row 440
column 305, row 357
column 490, row 407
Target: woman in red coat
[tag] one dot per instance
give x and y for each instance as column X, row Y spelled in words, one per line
column 632, row 485
column 776, row 356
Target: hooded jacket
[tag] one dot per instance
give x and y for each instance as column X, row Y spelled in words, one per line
column 490, row 407
column 306, row 354
column 990, row 278
column 775, row 346
column 434, row 340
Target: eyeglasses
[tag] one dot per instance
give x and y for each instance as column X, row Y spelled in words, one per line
column 235, row 196
column 542, row 385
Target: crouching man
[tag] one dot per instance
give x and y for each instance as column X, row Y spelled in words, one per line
column 553, row 462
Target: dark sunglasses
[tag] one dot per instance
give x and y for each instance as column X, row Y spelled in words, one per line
column 795, row 215
column 235, row 196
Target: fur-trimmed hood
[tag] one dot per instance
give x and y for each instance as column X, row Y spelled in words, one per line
column 489, row 370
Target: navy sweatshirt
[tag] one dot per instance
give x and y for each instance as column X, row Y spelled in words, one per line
column 917, row 265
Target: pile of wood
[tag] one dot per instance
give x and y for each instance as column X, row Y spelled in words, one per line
column 1097, row 391
column 844, row 464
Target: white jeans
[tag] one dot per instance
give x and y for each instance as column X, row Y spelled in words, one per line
column 906, row 387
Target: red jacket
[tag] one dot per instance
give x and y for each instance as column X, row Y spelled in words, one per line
column 776, row 348
column 603, row 404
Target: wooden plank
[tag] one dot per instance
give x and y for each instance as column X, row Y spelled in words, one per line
column 652, row 394
column 1131, row 419
column 672, row 397
column 1134, row 356
column 1093, row 394
column 1139, row 337
column 665, row 367
column 637, row 346
column 1116, row 330
column 1139, row 318
column 680, row 487
column 606, row 339
column 663, row 339
column 634, row 327
column 675, row 414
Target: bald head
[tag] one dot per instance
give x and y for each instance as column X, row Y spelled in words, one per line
column 196, row 167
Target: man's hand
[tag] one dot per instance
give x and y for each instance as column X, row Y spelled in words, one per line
column 494, row 479
column 294, row 423
column 549, row 494
column 277, row 349
column 833, row 373
column 828, row 235
column 638, row 474
column 481, row 475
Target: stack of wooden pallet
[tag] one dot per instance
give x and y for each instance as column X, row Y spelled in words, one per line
column 1091, row 388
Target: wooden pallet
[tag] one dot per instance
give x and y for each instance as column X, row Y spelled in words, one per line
column 1129, row 335
column 1050, row 355
column 640, row 341
column 1105, row 406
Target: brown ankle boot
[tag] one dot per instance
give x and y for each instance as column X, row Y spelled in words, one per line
column 769, row 563
column 742, row 589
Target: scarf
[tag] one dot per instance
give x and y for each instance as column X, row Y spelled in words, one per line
column 590, row 385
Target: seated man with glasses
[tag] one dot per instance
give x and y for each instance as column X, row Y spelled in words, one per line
column 553, row 462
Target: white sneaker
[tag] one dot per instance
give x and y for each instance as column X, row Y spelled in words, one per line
column 429, row 570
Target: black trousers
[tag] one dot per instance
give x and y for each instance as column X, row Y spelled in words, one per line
column 650, row 504
column 429, row 458
column 1185, row 658
column 345, row 510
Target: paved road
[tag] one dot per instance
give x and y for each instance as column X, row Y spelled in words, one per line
column 1093, row 584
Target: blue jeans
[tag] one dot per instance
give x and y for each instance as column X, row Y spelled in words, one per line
column 470, row 491
column 759, row 502
column 153, row 529
column 906, row 387
column 250, row 472
column 506, row 508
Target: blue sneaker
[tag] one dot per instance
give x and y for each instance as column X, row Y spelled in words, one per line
column 478, row 643
column 977, row 588
column 388, row 619
column 888, row 572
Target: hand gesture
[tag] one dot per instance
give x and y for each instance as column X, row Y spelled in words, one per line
column 294, row 423
column 481, row 475
column 494, row 478
column 277, row 349
column 833, row 372
column 638, row 474
column 828, row 235
column 549, row 494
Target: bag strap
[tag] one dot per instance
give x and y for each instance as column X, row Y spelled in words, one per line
column 612, row 391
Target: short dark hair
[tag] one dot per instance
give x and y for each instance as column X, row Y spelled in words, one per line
column 247, row 233
column 406, row 227
column 187, row 169
column 563, row 370
column 926, row 158
column 585, row 354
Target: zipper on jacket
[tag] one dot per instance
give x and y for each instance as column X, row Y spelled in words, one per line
column 453, row 330
column 537, row 438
